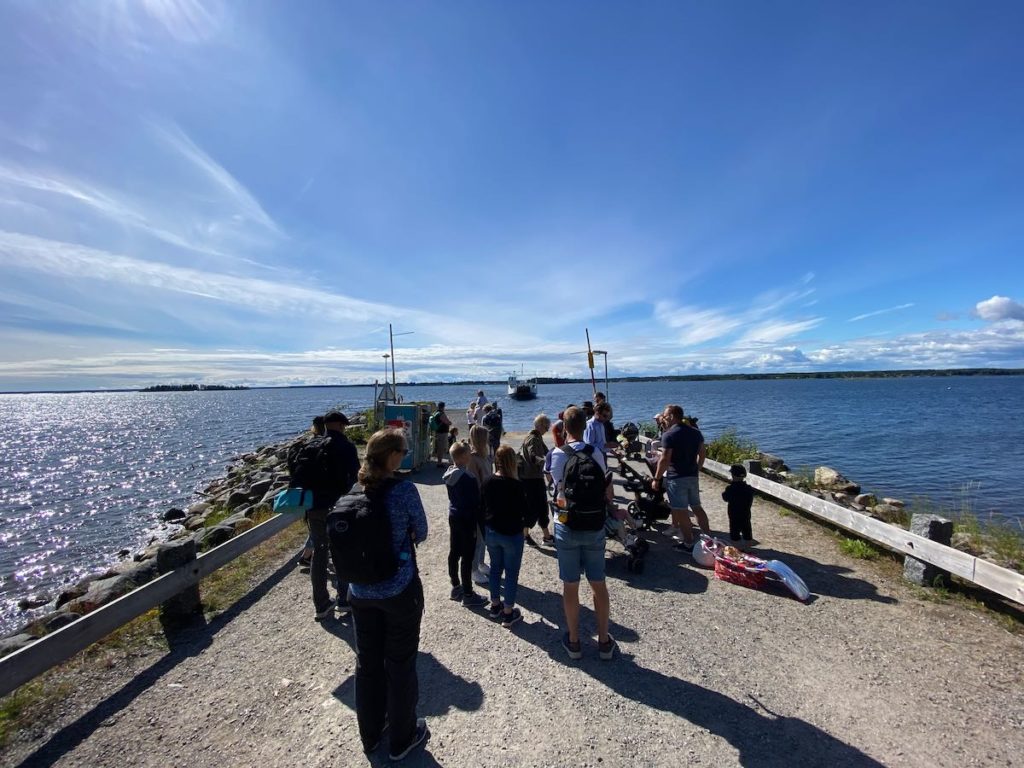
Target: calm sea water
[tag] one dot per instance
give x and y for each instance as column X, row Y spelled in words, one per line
column 84, row 475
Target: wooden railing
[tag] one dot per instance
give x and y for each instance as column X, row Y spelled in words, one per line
column 985, row 574
column 23, row 665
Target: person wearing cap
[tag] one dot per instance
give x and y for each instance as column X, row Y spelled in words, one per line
column 343, row 463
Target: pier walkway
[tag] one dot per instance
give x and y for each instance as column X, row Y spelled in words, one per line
column 868, row 673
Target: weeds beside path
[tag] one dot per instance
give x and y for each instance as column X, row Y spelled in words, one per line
column 866, row 674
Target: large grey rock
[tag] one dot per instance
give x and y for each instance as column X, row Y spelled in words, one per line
column 101, row 592
column 260, row 487
column 34, row 601
column 772, row 462
column 826, row 477
column 60, row 619
column 174, row 514
column 70, row 593
column 237, row 498
column 199, row 508
column 893, row 502
column 866, row 499
column 888, row 513
column 937, row 529
column 14, row 643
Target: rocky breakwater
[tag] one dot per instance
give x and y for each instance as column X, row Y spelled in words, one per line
column 230, row 505
column 997, row 544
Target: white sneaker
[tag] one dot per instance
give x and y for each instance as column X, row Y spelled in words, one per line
column 325, row 612
column 479, row 577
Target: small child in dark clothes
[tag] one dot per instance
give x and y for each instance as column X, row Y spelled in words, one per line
column 453, row 436
column 740, row 498
column 463, row 520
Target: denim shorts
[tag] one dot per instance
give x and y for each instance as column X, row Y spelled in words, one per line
column 683, row 492
column 579, row 552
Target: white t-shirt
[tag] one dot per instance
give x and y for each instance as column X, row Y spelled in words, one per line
column 559, row 458
column 595, row 435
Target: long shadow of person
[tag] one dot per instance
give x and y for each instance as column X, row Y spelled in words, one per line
column 184, row 643
column 441, row 690
column 762, row 740
column 825, row 578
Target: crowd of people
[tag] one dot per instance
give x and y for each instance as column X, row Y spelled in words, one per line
column 498, row 494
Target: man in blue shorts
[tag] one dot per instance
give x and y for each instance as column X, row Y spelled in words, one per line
column 682, row 455
column 583, row 490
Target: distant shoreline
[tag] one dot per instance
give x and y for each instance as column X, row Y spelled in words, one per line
column 899, row 374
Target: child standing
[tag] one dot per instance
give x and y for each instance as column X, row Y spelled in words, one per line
column 463, row 520
column 740, row 498
column 503, row 502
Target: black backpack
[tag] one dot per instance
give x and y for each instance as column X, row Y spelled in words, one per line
column 312, row 466
column 359, row 529
column 584, row 484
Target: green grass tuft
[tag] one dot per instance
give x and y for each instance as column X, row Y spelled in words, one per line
column 858, row 548
column 730, row 448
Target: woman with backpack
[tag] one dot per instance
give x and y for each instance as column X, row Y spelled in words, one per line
column 503, row 503
column 387, row 613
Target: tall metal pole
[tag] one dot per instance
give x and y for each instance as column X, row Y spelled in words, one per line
column 385, row 356
column 394, row 383
column 590, row 362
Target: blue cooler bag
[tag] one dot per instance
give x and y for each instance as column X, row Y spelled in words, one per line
column 293, row 500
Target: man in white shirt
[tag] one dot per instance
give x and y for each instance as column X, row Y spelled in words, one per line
column 596, row 434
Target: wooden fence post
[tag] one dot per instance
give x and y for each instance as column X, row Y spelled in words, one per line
column 937, row 529
column 183, row 607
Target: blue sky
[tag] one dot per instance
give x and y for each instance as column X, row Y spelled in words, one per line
column 250, row 192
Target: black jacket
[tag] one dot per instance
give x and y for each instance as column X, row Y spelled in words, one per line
column 343, row 463
column 503, row 502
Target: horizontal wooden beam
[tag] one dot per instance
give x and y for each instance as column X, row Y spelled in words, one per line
column 983, row 573
column 23, row 665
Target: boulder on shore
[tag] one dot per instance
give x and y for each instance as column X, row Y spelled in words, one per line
column 866, row 499
column 174, row 514
column 773, row 462
column 826, row 477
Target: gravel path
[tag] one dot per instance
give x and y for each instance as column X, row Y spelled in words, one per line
column 709, row 674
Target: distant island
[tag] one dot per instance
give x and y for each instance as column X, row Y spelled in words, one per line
column 189, row 388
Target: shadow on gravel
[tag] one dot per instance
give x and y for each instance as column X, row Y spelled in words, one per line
column 185, row 643
column 762, row 740
column 441, row 690
column 825, row 578
column 549, row 606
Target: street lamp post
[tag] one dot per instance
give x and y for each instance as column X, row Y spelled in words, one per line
column 385, row 356
column 603, row 352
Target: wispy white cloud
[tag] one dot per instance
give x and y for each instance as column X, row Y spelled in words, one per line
column 774, row 331
column 877, row 312
column 274, row 298
column 247, row 206
column 761, row 322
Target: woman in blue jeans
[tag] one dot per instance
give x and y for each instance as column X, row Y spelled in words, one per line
column 387, row 614
column 504, row 502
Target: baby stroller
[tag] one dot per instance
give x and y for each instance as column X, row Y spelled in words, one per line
column 634, row 544
column 649, row 506
column 629, row 439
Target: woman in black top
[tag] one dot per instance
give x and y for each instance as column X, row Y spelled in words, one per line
column 504, row 501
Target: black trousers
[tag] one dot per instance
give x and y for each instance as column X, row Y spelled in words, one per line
column 461, row 546
column 739, row 526
column 387, row 641
column 316, row 521
column 536, row 503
